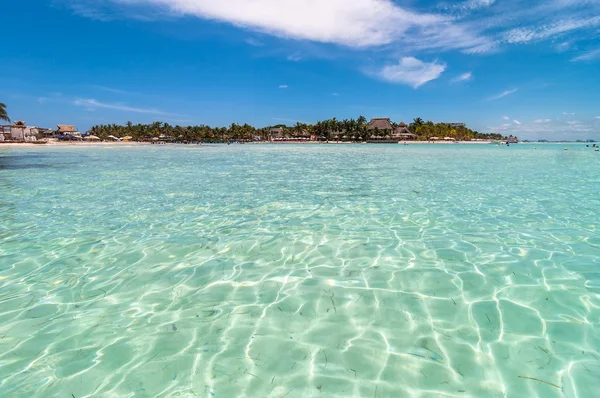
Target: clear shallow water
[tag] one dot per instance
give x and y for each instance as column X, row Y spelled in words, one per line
column 299, row 271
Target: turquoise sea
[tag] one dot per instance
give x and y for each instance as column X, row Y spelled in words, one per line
column 300, row 271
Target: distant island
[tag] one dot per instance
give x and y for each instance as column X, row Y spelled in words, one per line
column 347, row 130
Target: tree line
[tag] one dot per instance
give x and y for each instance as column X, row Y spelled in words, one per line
column 330, row 129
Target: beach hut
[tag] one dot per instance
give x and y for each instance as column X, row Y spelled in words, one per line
column 66, row 129
column 91, row 138
column 380, row 129
column 381, row 124
column 449, row 139
column 127, row 138
column 403, row 133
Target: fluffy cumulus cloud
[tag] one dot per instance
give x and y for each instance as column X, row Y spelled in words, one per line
column 412, row 71
column 357, row 23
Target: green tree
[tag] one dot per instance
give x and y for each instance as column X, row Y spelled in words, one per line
column 3, row 114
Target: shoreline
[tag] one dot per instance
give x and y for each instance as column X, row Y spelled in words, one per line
column 5, row 144
column 135, row 143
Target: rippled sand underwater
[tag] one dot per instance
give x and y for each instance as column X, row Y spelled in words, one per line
column 300, row 271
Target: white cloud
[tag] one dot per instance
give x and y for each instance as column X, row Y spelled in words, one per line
column 588, row 56
column 517, row 122
column 254, row 42
column 283, row 86
column 505, row 118
column 411, row 71
column 541, row 32
column 537, row 121
column 568, row 113
column 335, row 94
column 295, row 57
column 503, row 94
column 110, row 89
column 93, row 104
column 357, row 23
column 472, row 26
column 464, row 77
column 468, row 5
column 597, row 117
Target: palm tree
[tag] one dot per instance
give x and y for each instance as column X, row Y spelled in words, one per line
column 3, row 114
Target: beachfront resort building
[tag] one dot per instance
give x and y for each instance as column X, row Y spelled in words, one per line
column 280, row 134
column 19, row 131
column 67, row 132
column 382, row 130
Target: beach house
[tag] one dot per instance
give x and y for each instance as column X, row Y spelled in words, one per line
column 276, row 134
column 67, row 132
column 380, row 130
column 402, row 133
column 19, row 131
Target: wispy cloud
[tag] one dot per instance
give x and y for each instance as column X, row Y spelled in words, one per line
column 468, row 5
column 283, row 86
column 503, row 94
column 295, row 57
column 472, row 26
column 517, row 122
column 588, row 56
column 463, row 78
column 411, row 71
column 93, row 104
column 547, row 128
column 110, row 89
column 541, row 32
column 254, row 42
column 356, row 24
column 335, row 94
column 597, row 117
column 568, row 113
column 505, row 118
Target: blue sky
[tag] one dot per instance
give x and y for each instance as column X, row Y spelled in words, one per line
column 524, row 67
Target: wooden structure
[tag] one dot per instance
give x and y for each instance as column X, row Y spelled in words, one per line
column 19, row 131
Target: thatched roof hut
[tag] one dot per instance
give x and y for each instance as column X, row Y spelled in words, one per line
column 65, row 128
column 403, row 132
column 381, row 123
column 303, row 134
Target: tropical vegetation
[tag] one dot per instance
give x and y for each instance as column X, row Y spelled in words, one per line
column 3, row 113
column 330, row 129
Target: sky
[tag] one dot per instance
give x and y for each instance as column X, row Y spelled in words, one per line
column 530, row 68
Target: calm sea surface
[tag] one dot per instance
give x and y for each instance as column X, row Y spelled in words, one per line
column 300, row 271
